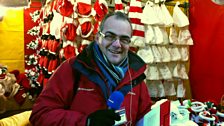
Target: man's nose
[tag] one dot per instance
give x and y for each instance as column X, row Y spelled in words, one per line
column 117, row 42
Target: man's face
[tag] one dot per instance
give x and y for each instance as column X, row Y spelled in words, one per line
column 116, row 50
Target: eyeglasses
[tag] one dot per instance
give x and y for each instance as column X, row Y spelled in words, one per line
column 125, row 40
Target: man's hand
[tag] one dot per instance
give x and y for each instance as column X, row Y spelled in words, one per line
column 105, row 117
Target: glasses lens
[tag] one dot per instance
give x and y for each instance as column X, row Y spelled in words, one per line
column 125, row 40
column 112, row 37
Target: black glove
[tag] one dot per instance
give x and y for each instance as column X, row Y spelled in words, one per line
column 102, row 118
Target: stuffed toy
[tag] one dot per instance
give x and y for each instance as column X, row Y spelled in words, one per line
column 8, row 87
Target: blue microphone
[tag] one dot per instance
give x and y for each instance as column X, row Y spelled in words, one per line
column 115, row 100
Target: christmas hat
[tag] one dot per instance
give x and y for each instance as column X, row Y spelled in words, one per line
column 134, row 14
column 69, row 31
column 85, row 27
column 84, row 8
column 56, row 24
column 101, row 9
column 64, row 7
column 119, row 6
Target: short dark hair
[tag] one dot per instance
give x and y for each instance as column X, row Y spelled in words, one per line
column 118, row 15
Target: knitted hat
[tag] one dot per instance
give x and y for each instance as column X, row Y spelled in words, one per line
column 119, row 6
column 134, row 14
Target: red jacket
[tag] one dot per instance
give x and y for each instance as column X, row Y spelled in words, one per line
column 58, row 105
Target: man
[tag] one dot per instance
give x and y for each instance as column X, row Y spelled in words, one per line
column 77, row 93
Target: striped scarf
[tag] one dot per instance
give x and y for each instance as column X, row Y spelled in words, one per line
column 113, row 73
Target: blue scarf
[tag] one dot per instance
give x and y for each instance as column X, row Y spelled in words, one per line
column 113, row 73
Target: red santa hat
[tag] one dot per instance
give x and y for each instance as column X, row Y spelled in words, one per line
column 64, row 7
column 101, row 9
column 85, row 27
column 119, row 6
column 134, row 14
column 84, row 8
column 69, row 31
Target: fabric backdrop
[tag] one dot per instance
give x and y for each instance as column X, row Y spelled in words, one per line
column 12, row 39
column 207, row 53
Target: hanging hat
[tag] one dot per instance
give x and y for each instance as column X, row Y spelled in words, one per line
column 179, row 18
column 118, row 6
column 174, row 53
column 184, row 37
column 101, row 9
column 173, row 38
column 148, row 15
column 168, row 19
column 69, row 49
column 152, row 72
column 184, row 52
column 169, row 87
column 156, row 54
column 160, row 88
column 85, row 27
column 64, row 7
column 134, row 14
column 165, row 54
column 151, row 85
column 69, row 30
column 149, row 34
column 146, row 54
column 164, row 71
column 84, row 8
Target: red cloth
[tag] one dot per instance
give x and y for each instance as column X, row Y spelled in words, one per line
column 28, row 24
column 207, row 53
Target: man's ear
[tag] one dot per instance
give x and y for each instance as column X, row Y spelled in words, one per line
column 97, row 37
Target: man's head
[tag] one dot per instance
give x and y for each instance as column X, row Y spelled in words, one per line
column 114, row 36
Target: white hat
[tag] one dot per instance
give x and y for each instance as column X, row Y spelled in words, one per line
column 148, row 15
column 149, row 34
column 169, row 87
column 146, row 54
column 164, row 71
column 179, row 18
column 184, row 37
column 152, row 72
column 173, row 38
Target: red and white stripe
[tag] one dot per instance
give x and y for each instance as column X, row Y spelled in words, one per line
column 134, row 14
column 119, row 6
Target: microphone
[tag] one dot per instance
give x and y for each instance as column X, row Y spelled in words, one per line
column 115, row 100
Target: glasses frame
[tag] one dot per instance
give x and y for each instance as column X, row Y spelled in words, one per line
column 117, row 37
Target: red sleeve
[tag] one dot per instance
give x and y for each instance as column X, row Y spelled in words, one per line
column 145, row 101
column 49, row 108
